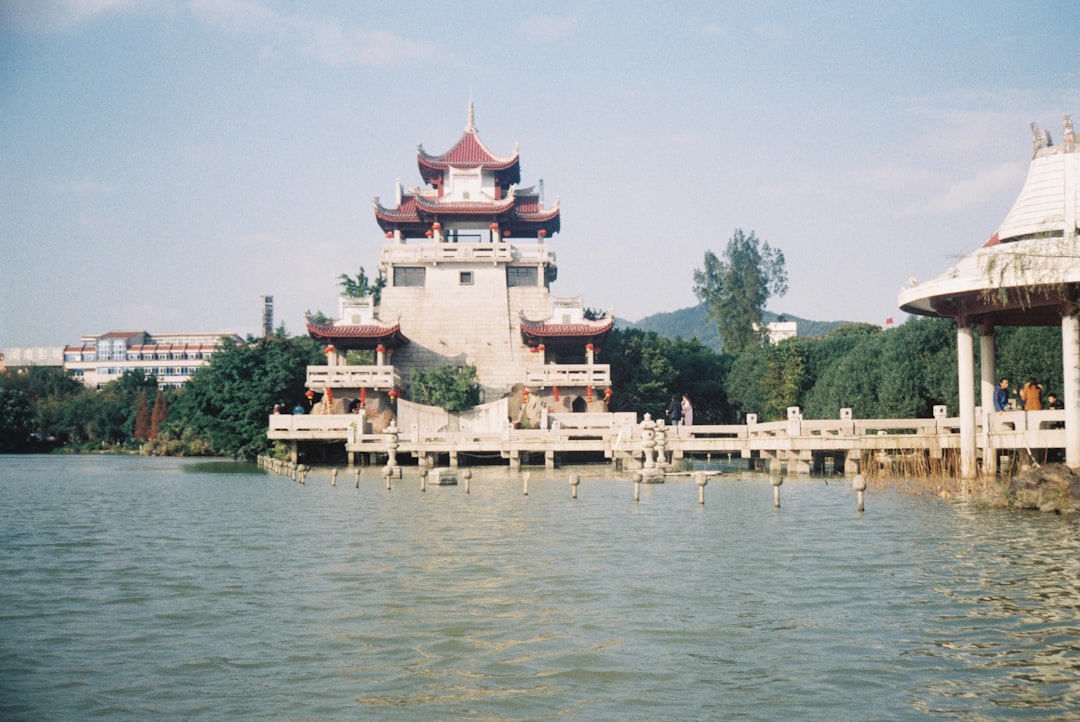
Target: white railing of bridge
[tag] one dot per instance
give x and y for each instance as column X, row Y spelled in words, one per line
column 379, row 378
column 622, row 431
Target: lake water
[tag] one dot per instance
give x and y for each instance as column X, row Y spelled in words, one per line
column 138, row 588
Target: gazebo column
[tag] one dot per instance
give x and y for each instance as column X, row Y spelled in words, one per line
column 1070, row 346
column 965, row 347
column 987, row 371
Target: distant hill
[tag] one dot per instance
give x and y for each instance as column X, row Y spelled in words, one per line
column 694, row 322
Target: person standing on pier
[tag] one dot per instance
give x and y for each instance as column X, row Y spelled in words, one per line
column 1031, row 395
column 687, row 411
column 674, row 410
column 1001, row 395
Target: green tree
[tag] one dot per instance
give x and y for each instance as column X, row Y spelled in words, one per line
column 737, row 286
column 783, row 378
column 643, row 376
column 228, row 401
column 453, row 388
column 361, row 287
column 16, row 419
column 108, row 415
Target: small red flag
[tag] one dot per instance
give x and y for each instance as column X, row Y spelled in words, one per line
column 888, row 321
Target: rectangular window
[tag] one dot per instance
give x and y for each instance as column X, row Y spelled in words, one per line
column 409, row 276
column 521, row 276
column 465, row 278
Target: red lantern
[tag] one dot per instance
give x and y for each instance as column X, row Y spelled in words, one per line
column 607, row 395
column 542, row 233
column 588, row 394
column 380, row 348
column 310, row 396
column 533, row 349
column 437, row 226
column 329, row 350
column 506, row 231
column 540, row 348
column 428, row 233
column 555, row 390
column 389, row 234
column 524, row 396
column 494, row 226
column 329, row 396
column 363, row 397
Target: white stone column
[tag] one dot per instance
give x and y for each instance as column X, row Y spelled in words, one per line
column 1070, row 346
column 965, row 354
column 987, row 369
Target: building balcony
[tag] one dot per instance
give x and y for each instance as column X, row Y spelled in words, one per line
column 568, row 375
column 436, row 253
column 377, row 378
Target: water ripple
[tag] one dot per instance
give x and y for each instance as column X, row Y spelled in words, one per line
column 147, row 588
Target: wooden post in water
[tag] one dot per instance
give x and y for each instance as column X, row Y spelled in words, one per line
column 776, row 482
column 467, row 475
column 574, row 481
column 387, row 471
column 423, row 479
column 525, row 488
column 637, row 486
column 333, row 477
column 702, row 480
column 357, row 478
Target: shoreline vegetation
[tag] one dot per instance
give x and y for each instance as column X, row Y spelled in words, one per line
column 900, row 372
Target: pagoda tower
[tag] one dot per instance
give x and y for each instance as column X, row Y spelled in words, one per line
column 468, row 269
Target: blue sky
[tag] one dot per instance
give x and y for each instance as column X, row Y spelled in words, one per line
column 163, row 164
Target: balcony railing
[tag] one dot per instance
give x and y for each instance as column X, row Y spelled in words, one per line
column 379, row 378
column 568, row 375
column 435, row 253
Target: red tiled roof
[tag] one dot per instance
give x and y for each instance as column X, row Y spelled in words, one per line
column 535, row 332
column 358, row 336
column 464, row 208
column 588, row 328
column 468, row 152
column 414, row 209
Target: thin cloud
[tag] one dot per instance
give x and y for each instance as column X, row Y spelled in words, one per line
column 970, row 193
column 82, row 188
column 55, row 15
column 551, row 27
column 326, row 40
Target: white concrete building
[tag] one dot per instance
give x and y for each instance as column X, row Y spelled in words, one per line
column 468, row 270
column 172, row 357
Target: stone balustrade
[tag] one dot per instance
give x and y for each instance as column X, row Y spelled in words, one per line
column 435, row 253
column 378, row 378
column 568, row 375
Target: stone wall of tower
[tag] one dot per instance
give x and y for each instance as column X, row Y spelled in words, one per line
column 448, row 321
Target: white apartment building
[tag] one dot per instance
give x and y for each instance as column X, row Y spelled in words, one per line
column 172, row 357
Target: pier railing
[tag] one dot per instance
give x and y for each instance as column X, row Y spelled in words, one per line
column 622, row 437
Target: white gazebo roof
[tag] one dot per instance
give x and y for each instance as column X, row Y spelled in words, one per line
column 1035, row 253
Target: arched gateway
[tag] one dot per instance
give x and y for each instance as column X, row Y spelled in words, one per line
column 1026, row 274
